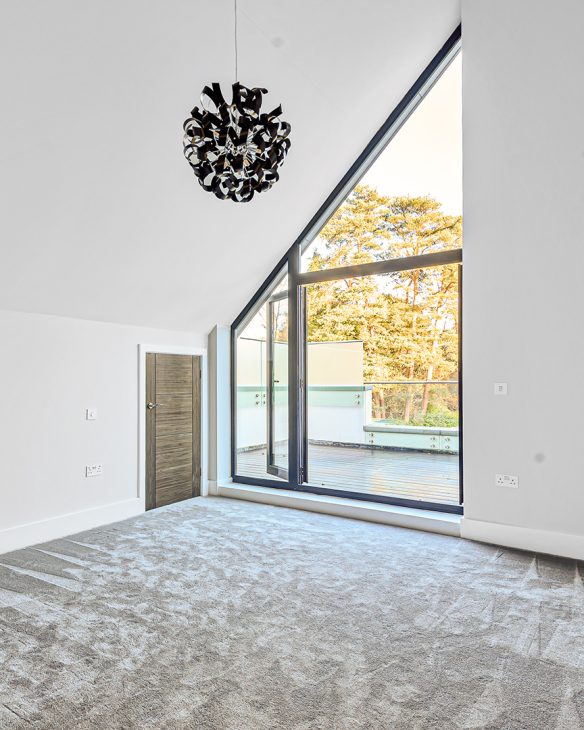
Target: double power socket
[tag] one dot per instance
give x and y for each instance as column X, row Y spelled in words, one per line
column 507, row 480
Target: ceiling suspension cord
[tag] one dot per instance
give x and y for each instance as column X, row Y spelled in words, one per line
column 235, row 37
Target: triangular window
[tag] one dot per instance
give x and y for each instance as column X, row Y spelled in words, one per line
column 346, row 364
column 409, row 201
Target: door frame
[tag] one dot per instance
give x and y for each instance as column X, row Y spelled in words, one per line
column 271, row 467
column 298, row 467
column 201, row 352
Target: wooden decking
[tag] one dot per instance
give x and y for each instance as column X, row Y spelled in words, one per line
column 406, row 474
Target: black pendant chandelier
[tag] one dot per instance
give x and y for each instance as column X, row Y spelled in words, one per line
column 235, row 149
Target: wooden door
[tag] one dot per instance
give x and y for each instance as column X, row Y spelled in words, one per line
column 173, row 428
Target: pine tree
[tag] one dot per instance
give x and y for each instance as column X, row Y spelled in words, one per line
column 406, row 320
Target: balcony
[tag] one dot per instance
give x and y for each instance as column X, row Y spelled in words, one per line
column 360, row 441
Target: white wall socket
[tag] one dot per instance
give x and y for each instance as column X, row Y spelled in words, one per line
column 507, row 480
column 91, row 414
column 500, row 388
column 94, row 470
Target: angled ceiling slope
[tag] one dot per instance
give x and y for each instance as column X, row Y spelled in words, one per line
column 102, row 218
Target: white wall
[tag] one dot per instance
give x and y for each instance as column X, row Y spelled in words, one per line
column 523, row 63
column 51, row 370
column 96, row 194
column 219, row 354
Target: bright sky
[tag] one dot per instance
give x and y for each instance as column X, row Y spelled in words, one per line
column 425, row 157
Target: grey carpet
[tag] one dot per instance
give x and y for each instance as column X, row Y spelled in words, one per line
column 221, row 615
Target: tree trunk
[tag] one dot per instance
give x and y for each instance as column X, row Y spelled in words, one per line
column 426, row 395
column 430, row 370
column 377, row 403
column 412, row 369
column 410, row 396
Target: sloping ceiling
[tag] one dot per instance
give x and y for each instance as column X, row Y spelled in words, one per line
column 101, row 216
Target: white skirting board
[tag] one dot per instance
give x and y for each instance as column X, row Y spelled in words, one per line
column 524, row 538
column 32, row 533
column 444, row 524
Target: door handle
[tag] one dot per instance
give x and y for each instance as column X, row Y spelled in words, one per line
column 150, row 406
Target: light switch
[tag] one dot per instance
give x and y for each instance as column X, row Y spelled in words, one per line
column 91, row 414
column 500, row 388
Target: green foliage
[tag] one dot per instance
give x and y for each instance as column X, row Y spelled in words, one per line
column 407, row 320
column 438, row 416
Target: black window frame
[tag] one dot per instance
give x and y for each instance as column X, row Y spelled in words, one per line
column 290, row 264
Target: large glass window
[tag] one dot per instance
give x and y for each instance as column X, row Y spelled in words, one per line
column 347, row 369
column 409, row 202
column 382, row 385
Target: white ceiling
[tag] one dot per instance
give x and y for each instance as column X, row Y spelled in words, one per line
column 101, row 216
